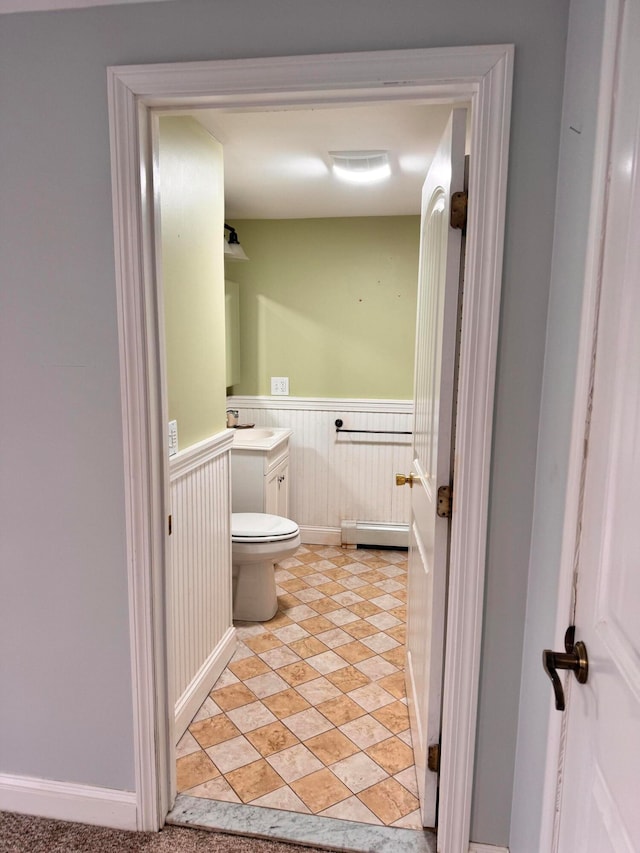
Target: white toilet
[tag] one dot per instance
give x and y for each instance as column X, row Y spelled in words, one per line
column 258, row 540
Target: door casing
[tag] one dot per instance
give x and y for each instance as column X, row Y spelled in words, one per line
column 479, row 76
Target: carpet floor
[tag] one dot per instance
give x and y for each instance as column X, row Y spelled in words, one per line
column 25, row 834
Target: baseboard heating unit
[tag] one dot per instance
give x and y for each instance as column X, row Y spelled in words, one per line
column 374, row 533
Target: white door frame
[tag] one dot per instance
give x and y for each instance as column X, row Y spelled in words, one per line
column 481, row 76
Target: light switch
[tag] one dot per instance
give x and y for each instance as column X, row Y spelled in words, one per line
column 173, row 438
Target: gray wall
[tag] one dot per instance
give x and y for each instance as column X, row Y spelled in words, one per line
column 577, row 149
column 64, row 622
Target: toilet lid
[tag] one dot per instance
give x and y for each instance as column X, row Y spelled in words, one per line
column 260, row 527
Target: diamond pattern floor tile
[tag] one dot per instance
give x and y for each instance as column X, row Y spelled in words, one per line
column 232, row 754
column 320, row 790
column 310, row 716
column 295, row 763
column 271, row 738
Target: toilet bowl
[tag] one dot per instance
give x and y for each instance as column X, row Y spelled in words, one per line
column 258, row 540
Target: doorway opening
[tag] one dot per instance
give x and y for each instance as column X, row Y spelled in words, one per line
column 480, row 75
column 303, row 721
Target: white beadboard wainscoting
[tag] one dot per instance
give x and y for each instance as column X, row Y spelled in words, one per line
column 341, row 477
column 202, row 634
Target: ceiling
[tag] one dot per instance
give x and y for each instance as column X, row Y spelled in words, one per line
column 7, row 6
column 276, row 162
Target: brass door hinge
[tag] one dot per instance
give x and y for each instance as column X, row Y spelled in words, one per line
column 170, row 524
column 459, row 210
column 445, row 500
column 433, row 758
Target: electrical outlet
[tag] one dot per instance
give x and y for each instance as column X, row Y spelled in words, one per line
column 280, row 385
column 173, row 438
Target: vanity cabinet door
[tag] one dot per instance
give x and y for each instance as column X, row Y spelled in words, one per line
column 277, row 490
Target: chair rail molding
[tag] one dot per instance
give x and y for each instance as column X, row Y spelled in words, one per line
column 480, row 75
column 321, row 404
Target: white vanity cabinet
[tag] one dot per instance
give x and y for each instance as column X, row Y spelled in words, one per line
column 260, row 471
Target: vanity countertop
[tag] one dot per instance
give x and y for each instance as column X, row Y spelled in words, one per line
column 259, row 438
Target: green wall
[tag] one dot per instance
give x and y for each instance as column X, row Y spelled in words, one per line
column 192, row 215
column 330, row 303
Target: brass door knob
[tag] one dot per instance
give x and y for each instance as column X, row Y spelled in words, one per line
column 405, row 480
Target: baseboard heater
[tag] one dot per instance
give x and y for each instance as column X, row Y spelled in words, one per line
column 374, row 533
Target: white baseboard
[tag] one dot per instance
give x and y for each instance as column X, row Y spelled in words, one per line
column 68, row 801
column 486, row 848
column 321, row 536
column 195, row 694
column 374, row 534
column 353, row 533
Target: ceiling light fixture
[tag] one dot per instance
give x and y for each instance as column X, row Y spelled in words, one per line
column 233, row 251
column 361, row 167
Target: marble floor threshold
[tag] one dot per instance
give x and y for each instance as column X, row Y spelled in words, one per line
column 310, row 830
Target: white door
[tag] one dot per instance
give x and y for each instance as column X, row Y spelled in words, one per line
column 438, row 286
column 600, row 795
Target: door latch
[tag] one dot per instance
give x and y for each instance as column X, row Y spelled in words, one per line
column 574, row 658
column 405, row 480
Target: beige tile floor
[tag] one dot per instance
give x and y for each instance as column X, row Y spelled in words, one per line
column 310, row 715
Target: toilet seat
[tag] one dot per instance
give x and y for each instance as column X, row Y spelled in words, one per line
column 260, row 527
